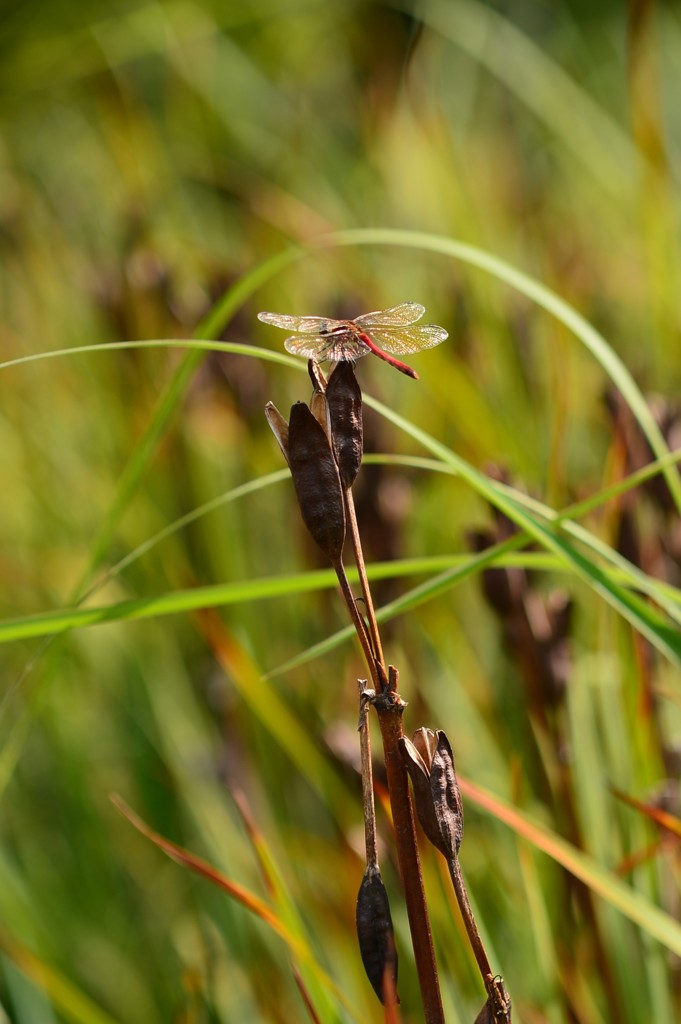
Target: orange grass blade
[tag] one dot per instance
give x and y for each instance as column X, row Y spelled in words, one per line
column 664, row 819
column 604, row 883
column 244, row 896
column 254, row 904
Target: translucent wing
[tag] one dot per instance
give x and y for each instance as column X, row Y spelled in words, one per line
column 301, row 324
column 407, row 340
column 397, row 316
column 335, row 347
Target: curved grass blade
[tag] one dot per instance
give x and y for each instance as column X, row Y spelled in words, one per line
column 542, row 296
column 191, row 344
column 631, row 607
column 664, row 594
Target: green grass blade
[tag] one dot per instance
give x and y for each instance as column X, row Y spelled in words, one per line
column 649, row 624
column 187, row 343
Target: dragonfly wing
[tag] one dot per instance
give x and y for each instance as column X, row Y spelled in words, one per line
column 397, row 316
column 408, row 340
column 310, row 346
column 332, row 347
column 301, row 324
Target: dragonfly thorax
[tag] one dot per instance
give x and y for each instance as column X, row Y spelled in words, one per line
column 343, row 344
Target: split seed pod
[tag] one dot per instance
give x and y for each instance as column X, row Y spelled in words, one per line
column 376, row 936
column 316, row 480
column 430, row 764
column 344, row 399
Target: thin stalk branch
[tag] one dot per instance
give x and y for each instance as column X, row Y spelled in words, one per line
column 360, row 625
column 367, row 778
column 364, row 582
column 469, row 920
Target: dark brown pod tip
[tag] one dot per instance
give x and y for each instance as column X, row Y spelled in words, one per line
column 344, row 398
column 316, row 480
column 376, row 936
column 430, row 764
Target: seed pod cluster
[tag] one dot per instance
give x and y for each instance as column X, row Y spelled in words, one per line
column 376, row 936
column 322, row 444
column 430, row 763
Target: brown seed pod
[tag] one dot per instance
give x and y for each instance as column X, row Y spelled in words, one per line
column 430, row 764
column 316, row 480
column 344, row 398
column 376, row 937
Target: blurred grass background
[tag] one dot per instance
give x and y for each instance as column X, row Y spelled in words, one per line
column 152, row 155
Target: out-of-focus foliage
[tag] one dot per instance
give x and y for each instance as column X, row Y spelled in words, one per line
column 152, row 155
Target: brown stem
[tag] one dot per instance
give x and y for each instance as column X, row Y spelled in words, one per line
column 367, row 778
column 389, row 706
column 360, row 626
column 469, row 921
column 364, row 582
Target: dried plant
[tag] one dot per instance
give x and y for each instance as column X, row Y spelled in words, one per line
column 323, row 445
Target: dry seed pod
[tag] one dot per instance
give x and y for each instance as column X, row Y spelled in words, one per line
column 430, row 764
column 316, row 480
column 344, row 398
column 376, row 937
column 485, row 1015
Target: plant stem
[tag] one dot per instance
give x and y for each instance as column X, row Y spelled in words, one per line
column 389, row 707
column 469, row 920
column 364, row 582
column 367, row 778
column 377, row 676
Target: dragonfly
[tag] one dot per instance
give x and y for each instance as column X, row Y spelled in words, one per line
column 384, row 333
